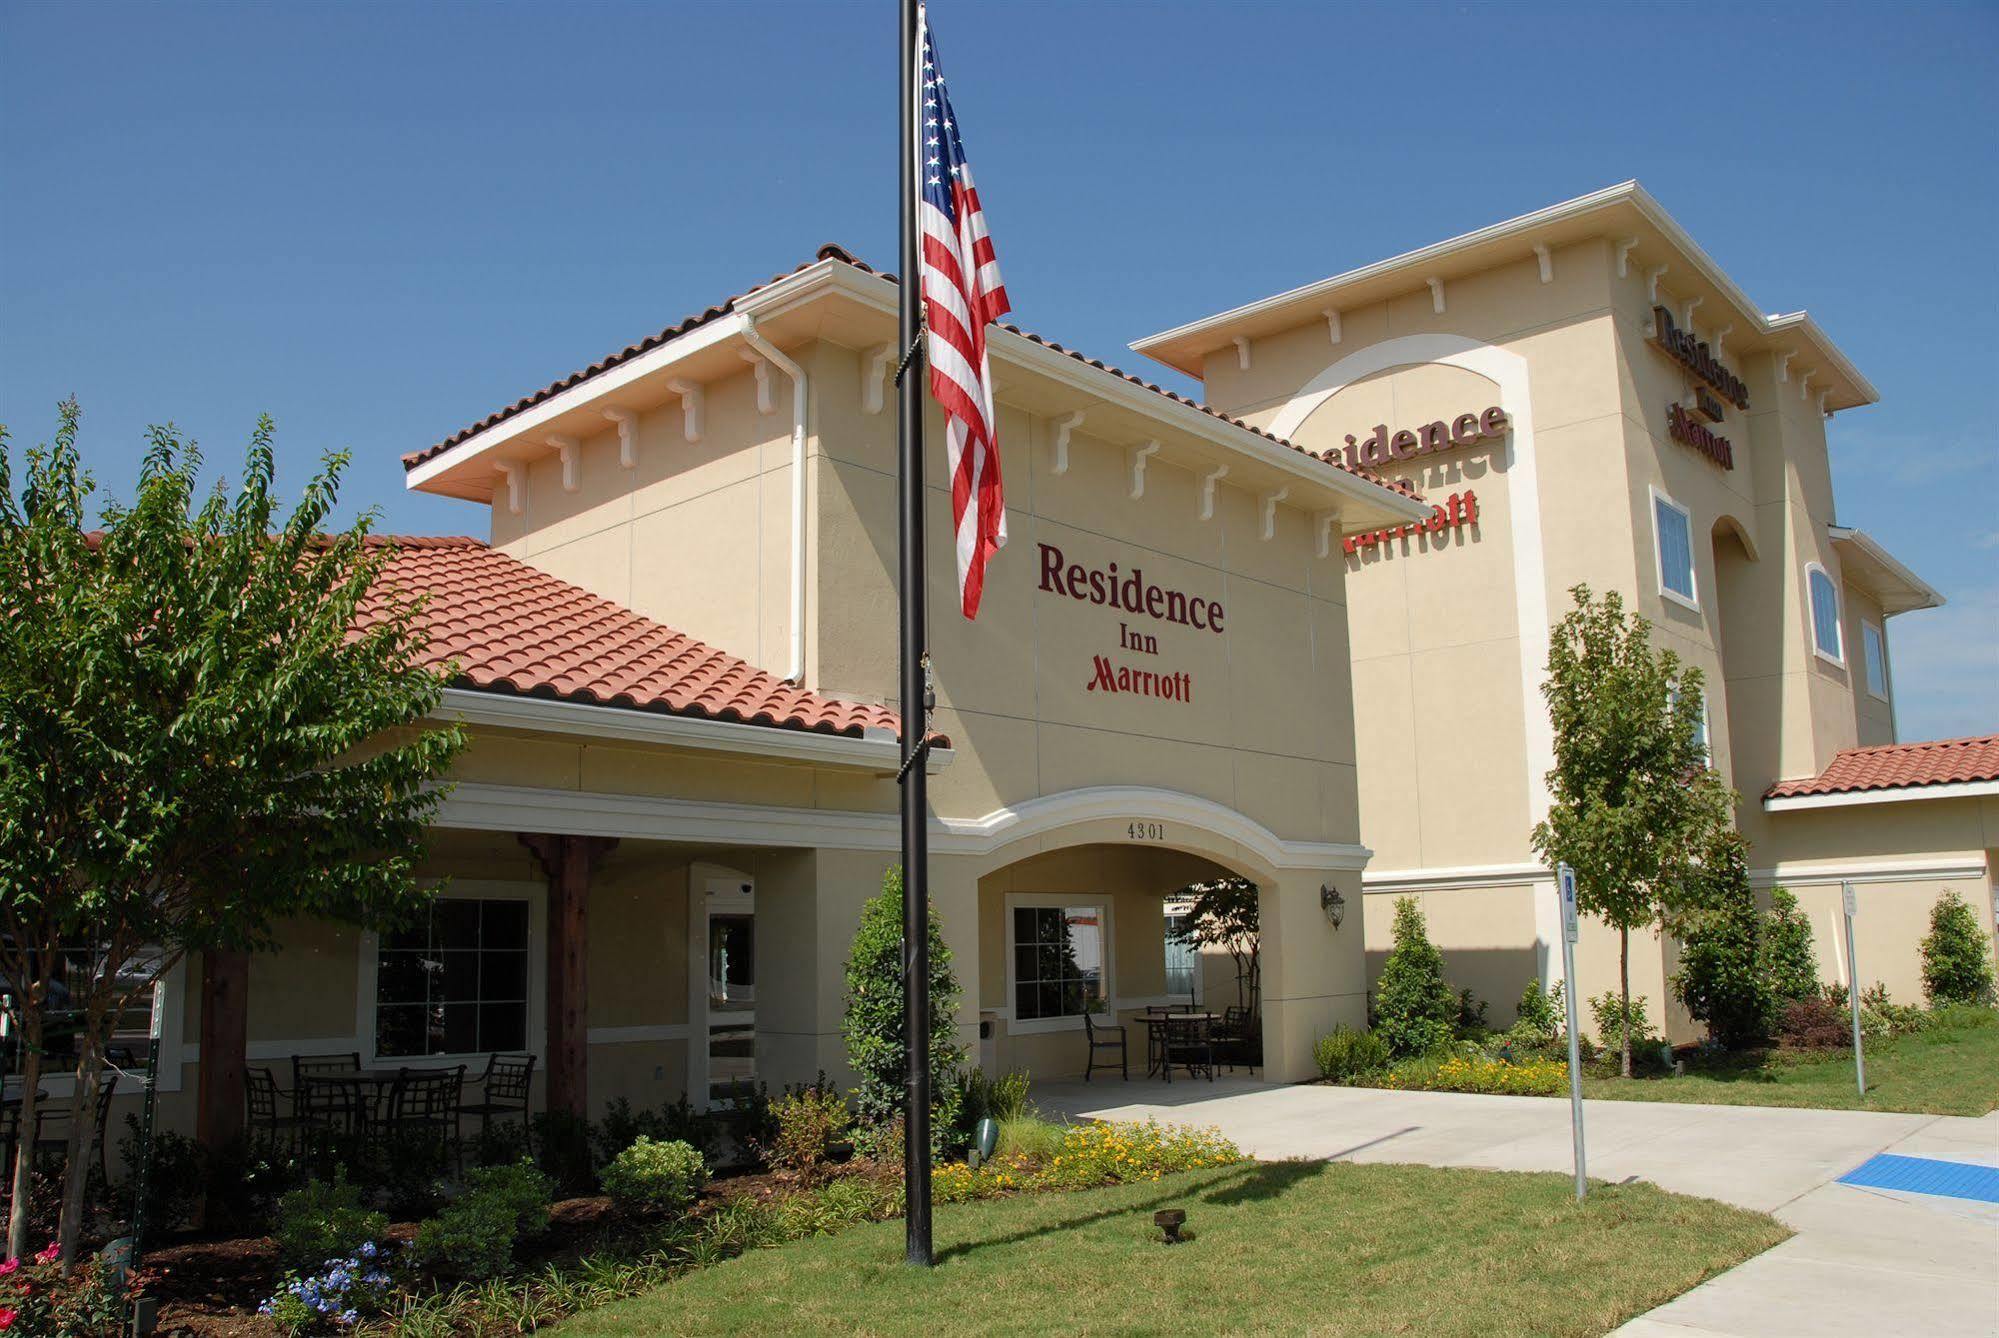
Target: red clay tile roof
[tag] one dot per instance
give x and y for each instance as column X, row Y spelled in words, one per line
column 831, row 251
column 512, row 628
column 1898, row 766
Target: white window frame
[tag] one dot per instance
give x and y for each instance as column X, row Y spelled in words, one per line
column 459, row 889
column 1868, row 659
column 1837, row 656
column 1101, row 901
column 1692, row 601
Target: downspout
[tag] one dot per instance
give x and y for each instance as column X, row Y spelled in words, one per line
column 796, row 674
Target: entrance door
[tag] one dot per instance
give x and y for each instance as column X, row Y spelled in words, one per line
column 722, row 1002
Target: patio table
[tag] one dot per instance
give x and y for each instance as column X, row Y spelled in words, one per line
column 362, row 1090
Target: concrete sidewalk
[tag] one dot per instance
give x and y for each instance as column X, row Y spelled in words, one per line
column 1864, row 1261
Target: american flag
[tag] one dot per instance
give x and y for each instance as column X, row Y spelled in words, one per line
column 962, row 293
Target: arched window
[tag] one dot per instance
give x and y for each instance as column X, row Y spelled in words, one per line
column 1825, row 614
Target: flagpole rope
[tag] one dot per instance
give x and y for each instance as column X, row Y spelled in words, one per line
column 909, row 354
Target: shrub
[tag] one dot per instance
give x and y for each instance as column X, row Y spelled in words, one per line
column 873, row 1022
column 321, row 1220
column 678, row 1122
column 562, row 1141
column 986, row 1098
column 1535, row 1014
column 1471, row 1014
column 1790, row 966
column 1612, row 1021
column 1346, row 1055
column 1117, row 1153
column 1028, row 1138
column 1817, row 1023
column 1957, row 955
column 1414, row 1010
column 651, row 1178
column 38, row 1298
column 474, row 1237
column 1724, row 977
column 1476, row 1073
column 808, row 1124
column 176, row 1179
column 337, row 1296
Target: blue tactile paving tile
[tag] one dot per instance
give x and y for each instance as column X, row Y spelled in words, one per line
column 1927, row 1175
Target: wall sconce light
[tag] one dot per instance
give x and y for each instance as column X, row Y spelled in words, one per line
column 1333, row 904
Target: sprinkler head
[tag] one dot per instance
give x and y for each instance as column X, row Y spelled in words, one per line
column 1169, row 1220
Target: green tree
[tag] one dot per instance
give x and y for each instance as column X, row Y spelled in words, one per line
column 1723, row 978
column 1789, row 964
column 1414, row 1010
column 1634, row 804
column 1224, row 915
column 873, row 1025
column 196, row 740
column 1957, row 955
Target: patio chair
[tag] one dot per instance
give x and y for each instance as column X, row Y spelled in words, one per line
column 1105, row 1036
column 1189, row 1042
column 423, row 1106
column 326, row 1110
column 107, row 1087
column 267, row 1117
column 504, row 1091
column 1237, row 1041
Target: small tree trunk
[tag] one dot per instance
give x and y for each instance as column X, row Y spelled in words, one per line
column 1624, row 998
column 24, row 1146
column 82, row 1137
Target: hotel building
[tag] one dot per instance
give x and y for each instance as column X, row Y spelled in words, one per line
column 1291, row 634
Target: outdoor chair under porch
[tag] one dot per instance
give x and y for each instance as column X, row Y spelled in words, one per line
column 1108, row 1037
column 1188, row 1041
column 279, row 1130
column 504, row 1092
column 1237, row 1040
column 423, row 1108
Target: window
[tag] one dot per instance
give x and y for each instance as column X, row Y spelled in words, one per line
column 1825, row 614
column 1876, row 648
column 1059, row 963
column 1182, row 959
column 1673, row 529
column 128, row 1037
column 455, row 982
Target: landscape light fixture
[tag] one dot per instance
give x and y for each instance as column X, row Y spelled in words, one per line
column 1333, row 904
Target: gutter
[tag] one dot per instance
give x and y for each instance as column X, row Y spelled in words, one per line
column 755, row 339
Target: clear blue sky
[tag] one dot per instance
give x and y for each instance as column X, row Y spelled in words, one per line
column 380, row 222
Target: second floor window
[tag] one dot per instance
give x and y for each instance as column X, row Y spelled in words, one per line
column 1825, row 614
column 1676, row 549
column 1876, row 647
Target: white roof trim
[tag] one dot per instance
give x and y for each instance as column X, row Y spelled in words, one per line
column 1927, row 595
column 1323, row 292
column 878, row 753
column 583, row 393
column 1792, row 803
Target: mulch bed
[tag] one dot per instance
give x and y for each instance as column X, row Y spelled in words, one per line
column 211, row 1287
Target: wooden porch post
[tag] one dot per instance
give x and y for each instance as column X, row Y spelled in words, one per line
column 225, row 1013
column 568, row 862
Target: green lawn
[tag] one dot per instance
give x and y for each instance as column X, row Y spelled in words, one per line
column 1951, row 1070
column 1284, row 1247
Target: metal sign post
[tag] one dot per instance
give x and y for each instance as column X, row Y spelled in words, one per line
column 1851, row 903
column 1565, row 880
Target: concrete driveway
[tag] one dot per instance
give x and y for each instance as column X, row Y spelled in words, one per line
column 1864, row 1261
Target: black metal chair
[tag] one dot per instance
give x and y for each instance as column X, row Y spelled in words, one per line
column 504, row 1091
column 268, row 1118
column 326, row 1110
column 1190, row 1042
column 107, row 1087
column 1106, row 1036
column 423, row 1105
column 1237, row 1040
column 10, row 1137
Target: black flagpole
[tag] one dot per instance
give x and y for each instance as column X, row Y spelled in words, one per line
column 915, row 836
